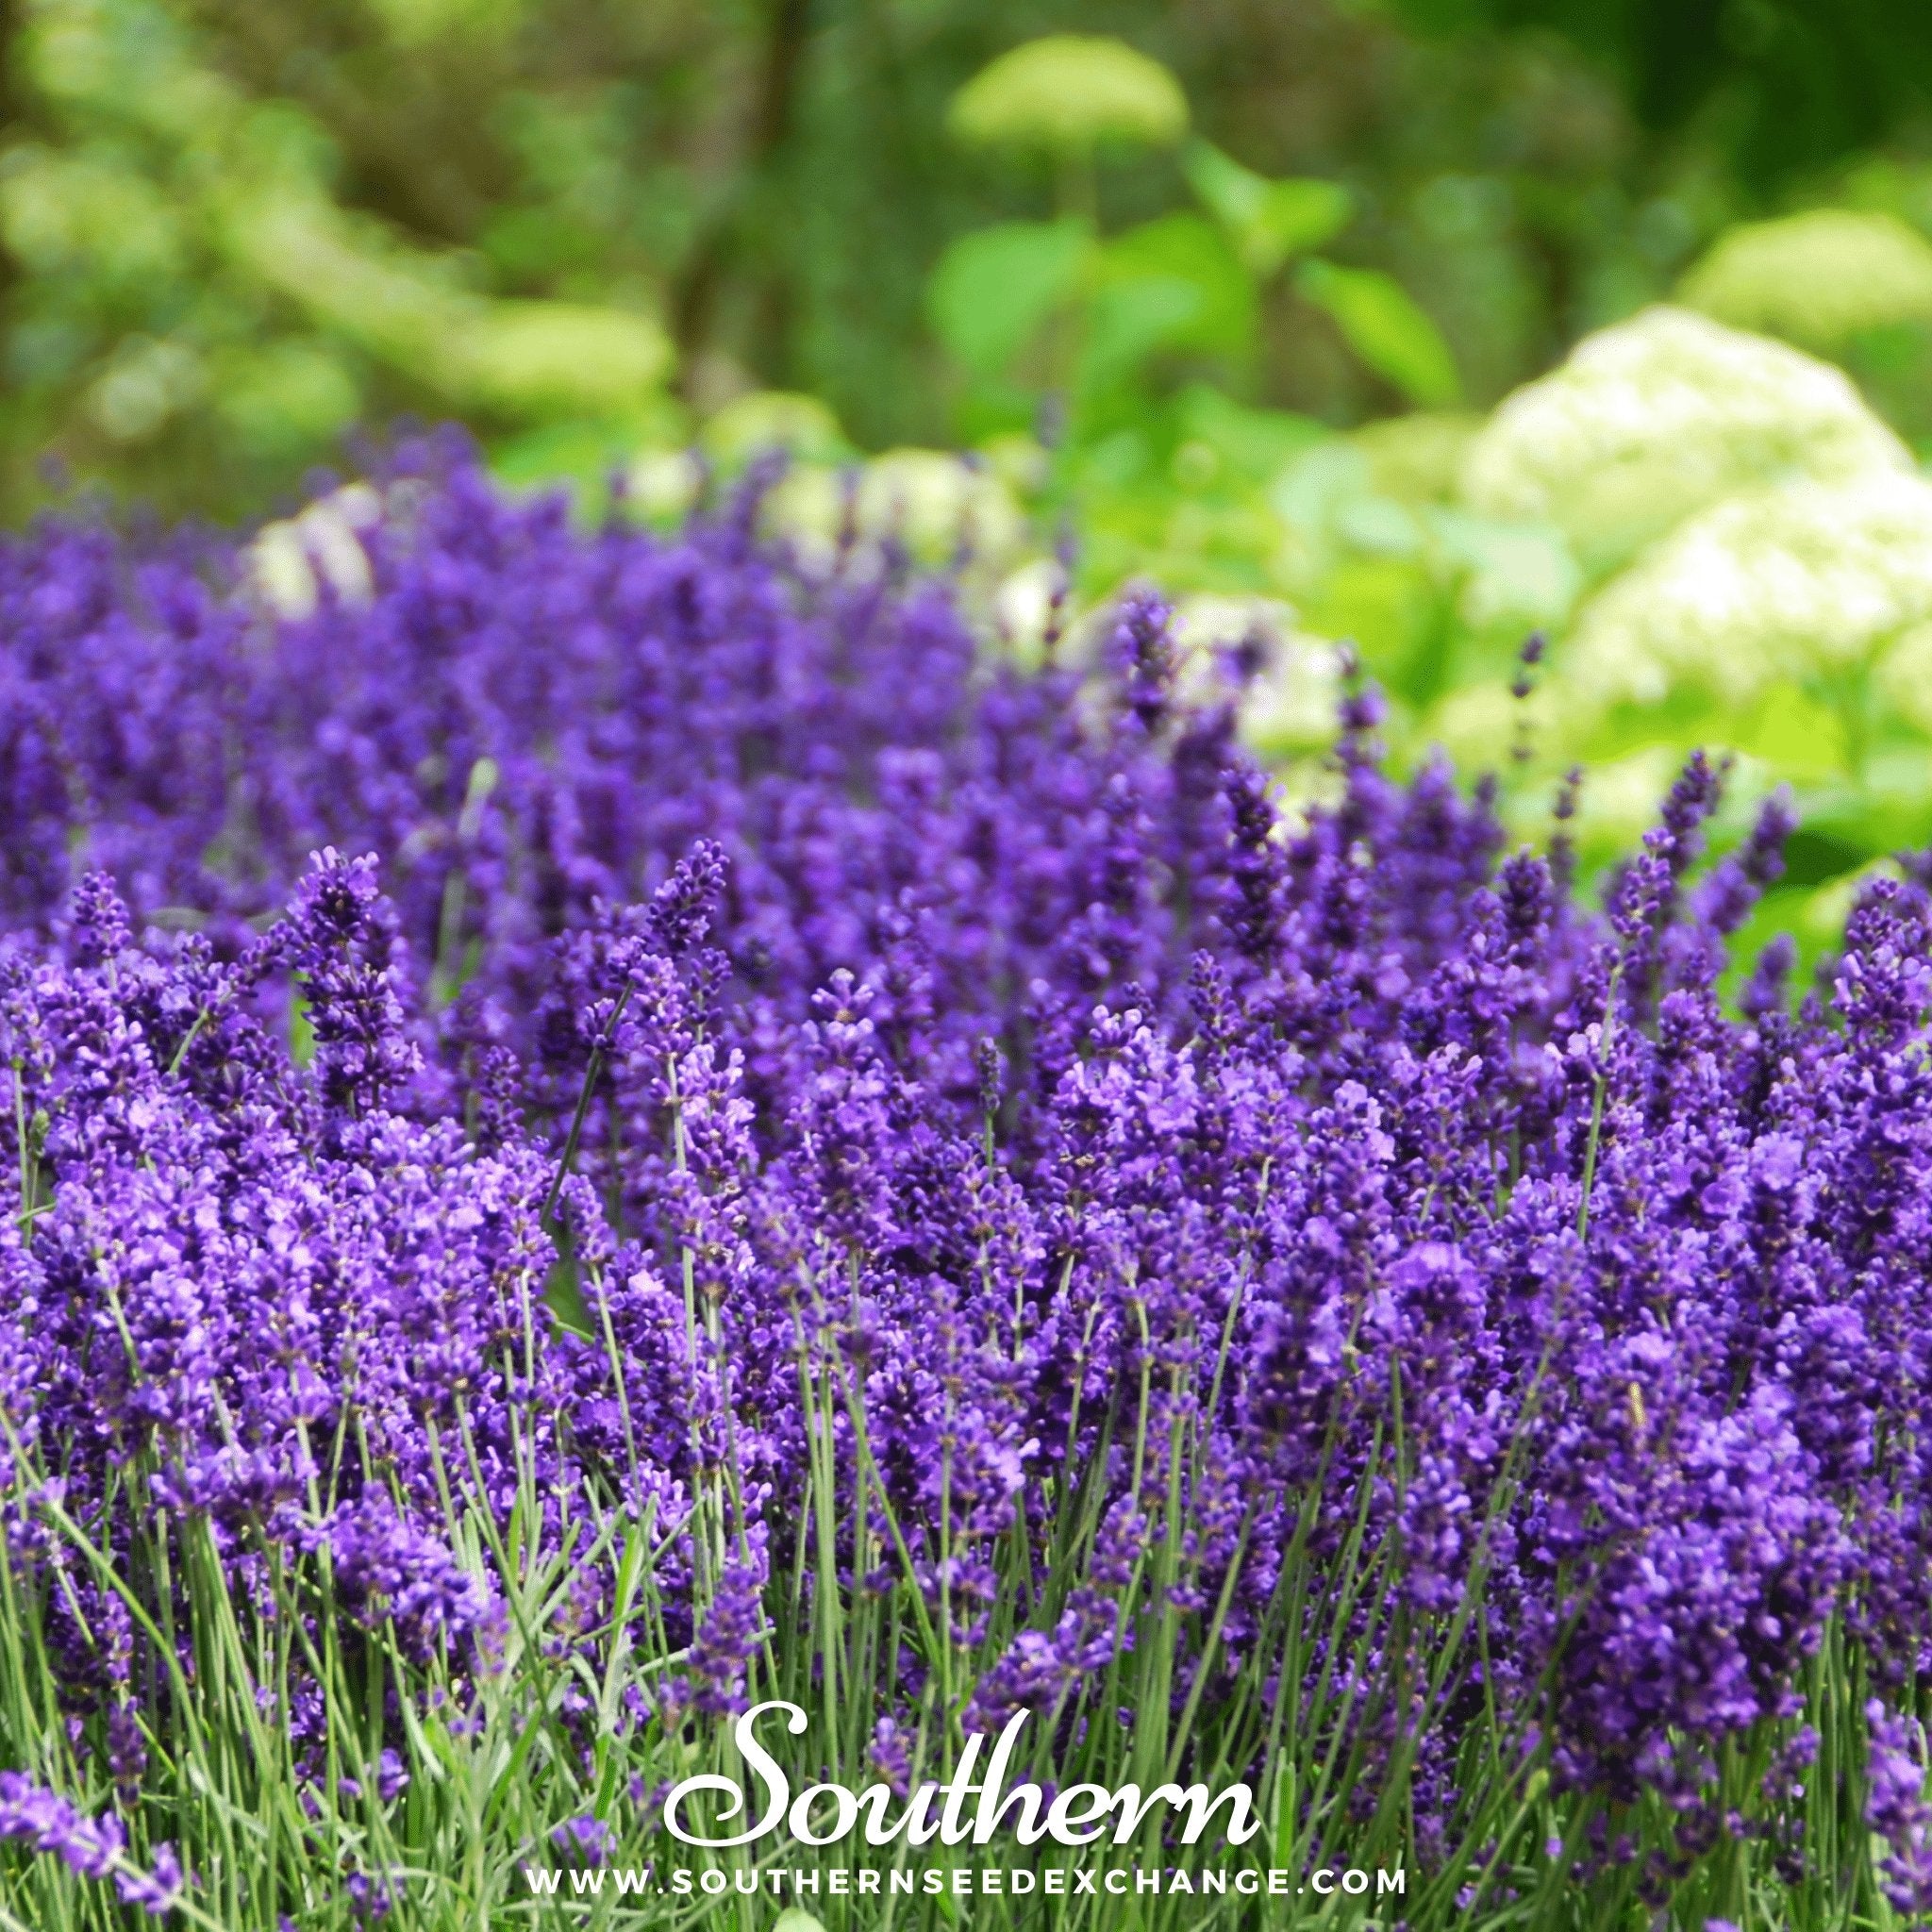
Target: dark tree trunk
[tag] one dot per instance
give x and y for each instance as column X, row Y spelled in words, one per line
column 731, row 235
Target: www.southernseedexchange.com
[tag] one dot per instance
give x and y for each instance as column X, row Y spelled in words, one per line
column 841, row 1881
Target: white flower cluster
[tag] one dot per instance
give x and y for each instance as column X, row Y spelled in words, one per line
column 1288, row 711
column 1821, row 278
column 929, row 502
column 1065, row 92
column 1810, row 582
column 1653, row 420
column 291, row 560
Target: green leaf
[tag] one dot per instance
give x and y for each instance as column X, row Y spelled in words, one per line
column 1258, row 444
column 1268, row 221
column 1382, row 323
column 1171, row 284
column 1185, row 248
column 994, row 289
column 1518, row 576
column 1129, row 320
column 281, row 398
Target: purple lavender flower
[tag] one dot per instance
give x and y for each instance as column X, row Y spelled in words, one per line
column 1896, row 1808
column 914, row 1148
column 157, row 1889
column 588, row 1839
column 51, row 1824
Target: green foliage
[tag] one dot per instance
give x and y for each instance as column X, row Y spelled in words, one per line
column 1210, row 289
column 1797, row 81
column 1721, row 541
column 307, row 208
column 1381, row 323
column 195, row 296
column 1170, row 284
column 1177, row 295
column 994, row 290
column 1269, row 221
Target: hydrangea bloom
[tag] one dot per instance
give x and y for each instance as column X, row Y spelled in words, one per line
column 1655, row 417
column 1814, row 584
column 1820, row 278
column 1071, row 91
column 926, row 502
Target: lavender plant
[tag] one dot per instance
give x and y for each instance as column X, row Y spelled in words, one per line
column 812, row 1168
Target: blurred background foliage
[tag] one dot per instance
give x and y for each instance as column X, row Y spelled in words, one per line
column 1262, row 298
